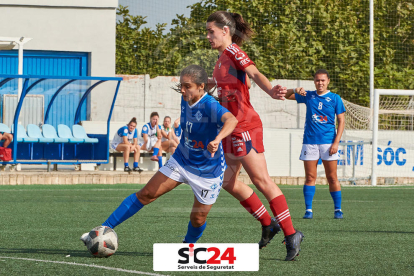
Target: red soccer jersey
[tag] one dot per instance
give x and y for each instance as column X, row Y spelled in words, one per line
column 230, row 77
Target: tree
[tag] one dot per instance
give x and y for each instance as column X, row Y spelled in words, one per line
column 293, row 39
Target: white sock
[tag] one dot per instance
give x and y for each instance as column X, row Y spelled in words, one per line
column 338, row 210
column 309, row 210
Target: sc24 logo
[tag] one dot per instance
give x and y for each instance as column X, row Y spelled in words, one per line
column 228, row 255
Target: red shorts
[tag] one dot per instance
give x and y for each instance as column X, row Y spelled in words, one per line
column 240, row 144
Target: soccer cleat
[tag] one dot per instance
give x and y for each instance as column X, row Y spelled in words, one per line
column 154, row 158
column 293, row 245
column 137, row 169
column 85, row 238
column 308, row 215
column 127, row 169
column 338, row 215
column 268, row 232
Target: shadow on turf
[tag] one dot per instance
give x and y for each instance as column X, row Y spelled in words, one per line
column 72, row 253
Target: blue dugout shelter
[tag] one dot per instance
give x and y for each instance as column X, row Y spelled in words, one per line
column 41, row 137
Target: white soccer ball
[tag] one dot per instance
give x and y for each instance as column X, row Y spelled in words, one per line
column 102, row 241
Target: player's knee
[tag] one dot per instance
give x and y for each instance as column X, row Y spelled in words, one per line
column 197, row 220
column 145, row 196
column 229, row 185
column 261, row 182
column 310, row 178
column 332, row 179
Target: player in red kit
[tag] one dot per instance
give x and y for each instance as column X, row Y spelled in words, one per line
column 244, row 147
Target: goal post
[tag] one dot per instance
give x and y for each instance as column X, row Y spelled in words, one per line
column 393, row 135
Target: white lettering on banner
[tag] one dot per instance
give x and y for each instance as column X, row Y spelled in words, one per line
column 206, row 257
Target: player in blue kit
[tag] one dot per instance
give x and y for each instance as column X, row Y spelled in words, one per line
column 197, row 161
column 320, row 139
column 150, row 139
column 126, row 140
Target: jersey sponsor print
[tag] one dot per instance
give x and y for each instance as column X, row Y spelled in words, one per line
column 320, row 116
column 230, row 77
column 200, row 124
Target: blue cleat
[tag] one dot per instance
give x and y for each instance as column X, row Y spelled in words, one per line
column 338, row 215
column 308, row 215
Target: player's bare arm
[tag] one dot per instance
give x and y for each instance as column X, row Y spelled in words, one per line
column 259, row 78
column 248, row 82
column 125, row 140
column 341, row 127
column 290, row 94
column 278, row 92
column 229, row 124
column 164, row 134
column 145, row 137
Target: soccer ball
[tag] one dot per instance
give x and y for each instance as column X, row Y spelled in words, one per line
column 102, row 241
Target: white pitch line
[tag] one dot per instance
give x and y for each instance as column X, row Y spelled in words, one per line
column 87, row 265
column 79, row 190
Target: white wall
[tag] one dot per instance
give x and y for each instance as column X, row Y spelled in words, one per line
column 134, row 100
column 67, row 25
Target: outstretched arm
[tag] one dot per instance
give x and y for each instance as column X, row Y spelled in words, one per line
column 278, row 92
column 230, row 123
column 290, row 95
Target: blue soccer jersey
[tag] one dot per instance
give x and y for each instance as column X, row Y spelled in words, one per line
column 124, row 131
column 177, row 131
column 320, row 116
column 149, row 130
column 200, row 124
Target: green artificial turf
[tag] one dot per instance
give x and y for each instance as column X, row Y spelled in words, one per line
column 376, row 236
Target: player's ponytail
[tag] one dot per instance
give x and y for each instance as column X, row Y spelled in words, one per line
column 133, row 120
column 240, row 30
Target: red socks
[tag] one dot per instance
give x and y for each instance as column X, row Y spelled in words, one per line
column 281, row 212
column 255, row 207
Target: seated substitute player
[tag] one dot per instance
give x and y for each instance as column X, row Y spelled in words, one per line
column 126, row 140
column 151, row 138
column 320, row 139
column 198, row 160
column 168, row 143
column 7, row 137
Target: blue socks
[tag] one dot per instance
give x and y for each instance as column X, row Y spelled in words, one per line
column 156, row 150
column 194, row 233
column 337, row 199
column 129, row 207
column 308, row 193
column 135, row 164
column 160, row 161
column 126, row 164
